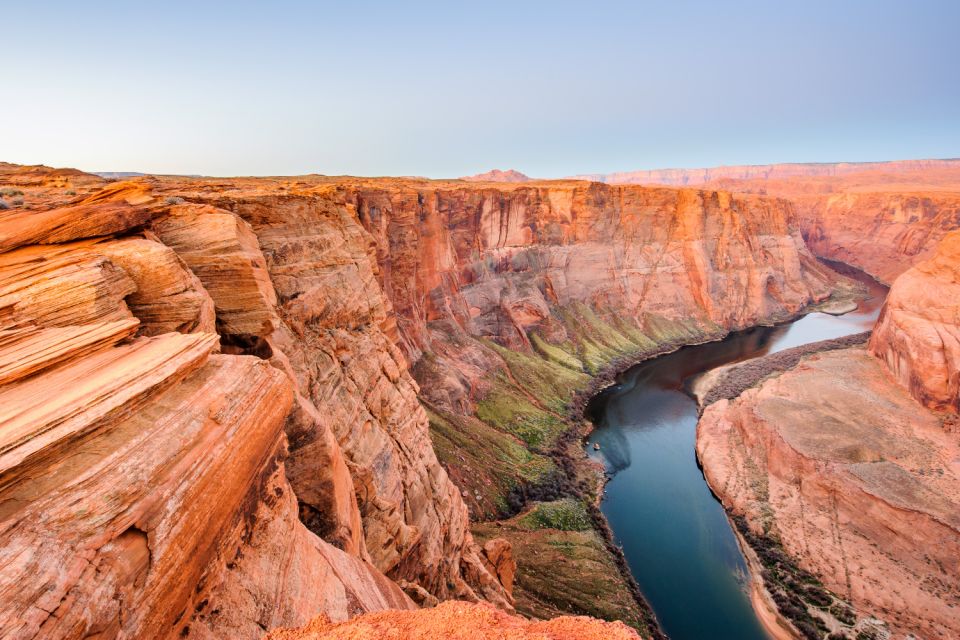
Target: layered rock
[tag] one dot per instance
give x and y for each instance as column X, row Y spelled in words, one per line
column 918, row 333
column 335, row 335
column 89, row 280
column 113, row 209
column 881, row 232
column 837, row 464
column 498, row 262
column 685, row 177
column 457, row 621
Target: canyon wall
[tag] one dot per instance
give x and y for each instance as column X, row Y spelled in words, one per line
column 881, row 217
column 918, row 333
column 848, row 463
column 798, row 171
column 242, row 442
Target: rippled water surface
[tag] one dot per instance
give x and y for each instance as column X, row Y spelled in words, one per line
column 674, row 533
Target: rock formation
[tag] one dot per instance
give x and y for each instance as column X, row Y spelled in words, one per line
column 918, row 333
column 457, row 621
column 796, row 172
column 236, row 358
column 496, row 175
column 848, row 463
column 881, row 217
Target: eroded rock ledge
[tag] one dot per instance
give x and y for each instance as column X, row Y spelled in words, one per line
column 842, row 471
column 210, row 422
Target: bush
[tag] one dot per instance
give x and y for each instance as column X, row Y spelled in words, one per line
column 71, row 192
column 6, row 192
column 174, row 200
column 18, row 201
column 3, row 204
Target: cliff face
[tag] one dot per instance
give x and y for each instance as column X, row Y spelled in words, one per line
column 685, row 177
column 883, row 233
column 499, row 262
column 849, row 461
column 235, row 359
column 918, row 333
column 881, row 217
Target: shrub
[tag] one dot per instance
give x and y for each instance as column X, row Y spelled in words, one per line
column 3, row 204
column 7, row 191
column 174, row 200
column 18, row 201
column 71, row 192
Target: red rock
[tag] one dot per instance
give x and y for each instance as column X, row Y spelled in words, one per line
column 457, row 621
column 918, row 333
column 496, row 175
column 224, row 253
column 857, row 481
column 113, row 209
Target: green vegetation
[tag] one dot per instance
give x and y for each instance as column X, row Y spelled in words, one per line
column 796, row 592
column 567, row 514
column 564, row 571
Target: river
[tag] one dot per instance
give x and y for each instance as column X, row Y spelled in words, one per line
column 674, row 533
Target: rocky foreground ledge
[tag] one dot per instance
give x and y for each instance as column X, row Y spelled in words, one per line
column 457, row 621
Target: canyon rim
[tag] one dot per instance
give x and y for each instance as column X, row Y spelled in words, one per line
column 675, row 357
column 233, row 405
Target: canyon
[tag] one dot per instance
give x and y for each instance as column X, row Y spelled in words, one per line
column 235, row 404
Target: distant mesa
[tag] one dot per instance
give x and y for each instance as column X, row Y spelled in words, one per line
column 496, row 175
column 118, row 175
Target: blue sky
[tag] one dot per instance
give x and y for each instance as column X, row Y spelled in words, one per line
column 446, row 89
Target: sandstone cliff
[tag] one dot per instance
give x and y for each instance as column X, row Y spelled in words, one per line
column 845, row 467
column 881, row 217
column 794, row 171
column 318, row 294
column 918, row 333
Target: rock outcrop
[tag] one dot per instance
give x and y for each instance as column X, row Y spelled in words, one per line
column 192, row 328
column 918, row 332
column 457, row 621
column 793, row 171
column 834, row 462
column 496, row 175
column 848, row 462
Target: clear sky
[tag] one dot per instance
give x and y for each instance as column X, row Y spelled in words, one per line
column 451, row 88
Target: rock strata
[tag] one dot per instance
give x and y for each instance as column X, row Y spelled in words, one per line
column 918, row 333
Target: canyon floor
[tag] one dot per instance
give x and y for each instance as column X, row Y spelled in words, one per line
column 232, row 405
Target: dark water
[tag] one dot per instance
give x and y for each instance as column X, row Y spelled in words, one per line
column 676, row 538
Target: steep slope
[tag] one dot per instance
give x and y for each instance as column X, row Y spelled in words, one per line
column 835, row 468
column 881, row 217
column 320, row 294
column 918, row 333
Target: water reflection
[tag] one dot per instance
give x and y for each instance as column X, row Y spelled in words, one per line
column 673, row 531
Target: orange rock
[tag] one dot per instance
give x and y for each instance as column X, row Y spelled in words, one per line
column 857, row 481
column 498, row 552
column 113, row 209
column 224, row 253
column 88, row 281
column 881, row 217
column 918, row 333
column 457, row 621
